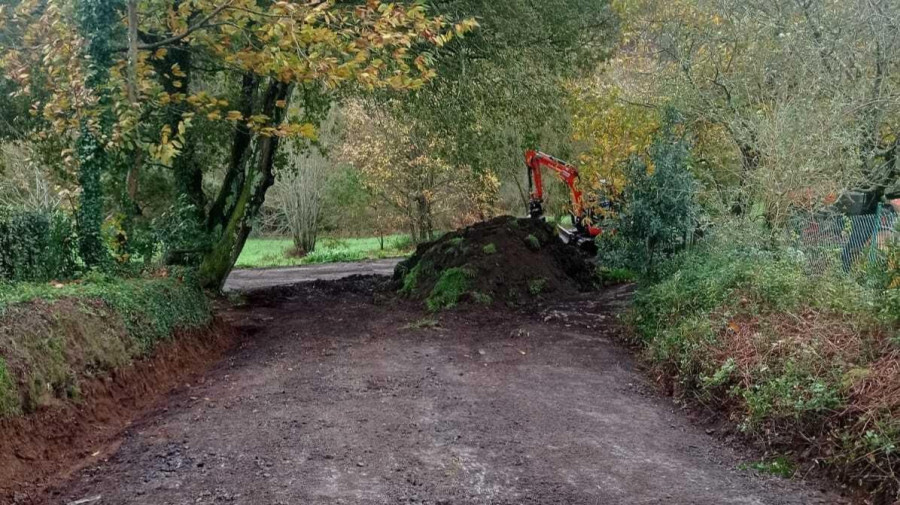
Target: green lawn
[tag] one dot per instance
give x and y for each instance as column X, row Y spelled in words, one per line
column 273, row 252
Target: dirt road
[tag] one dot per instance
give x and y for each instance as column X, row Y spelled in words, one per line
column 342, row 394
column 250, row 279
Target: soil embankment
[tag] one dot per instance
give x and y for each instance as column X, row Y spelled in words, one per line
column 58, row 438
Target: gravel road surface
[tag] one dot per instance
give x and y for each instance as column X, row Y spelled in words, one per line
column 251, row 279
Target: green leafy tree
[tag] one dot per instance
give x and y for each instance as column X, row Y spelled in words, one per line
column 167, row 85
column 792, row 103
column 501, row 89
column 401, row 166
column 661, row 210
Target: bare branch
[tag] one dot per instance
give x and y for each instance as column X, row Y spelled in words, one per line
column 203, row 23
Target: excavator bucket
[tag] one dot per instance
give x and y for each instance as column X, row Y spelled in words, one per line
column 566, row 235
column 573, row 238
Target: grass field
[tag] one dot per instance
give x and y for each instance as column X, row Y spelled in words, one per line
column 273, row 252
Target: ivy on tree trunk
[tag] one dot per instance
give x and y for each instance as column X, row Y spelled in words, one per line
column 97, row 20
column 246, row 189
column 123, row 107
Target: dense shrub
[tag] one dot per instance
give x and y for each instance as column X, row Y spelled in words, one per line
column 183, row 237
column 36, row 246
column 795, row 359
column 884, row 274
column 660, row 211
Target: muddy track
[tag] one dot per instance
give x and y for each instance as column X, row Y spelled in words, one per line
column 341, row 394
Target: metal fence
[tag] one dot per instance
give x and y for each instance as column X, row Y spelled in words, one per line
column 846, row 243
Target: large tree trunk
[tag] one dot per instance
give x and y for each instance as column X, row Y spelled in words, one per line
column 131, row 178
column 423, row 218
column 236, row 227
column 749, row 164
column 877, row 159
column 240, row 153
column 96, row 19
column 188, row 173
column 93, row 162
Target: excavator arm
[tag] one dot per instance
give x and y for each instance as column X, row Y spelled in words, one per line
column 536, row 162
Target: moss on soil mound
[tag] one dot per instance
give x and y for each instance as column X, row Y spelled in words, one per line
column 506, row 259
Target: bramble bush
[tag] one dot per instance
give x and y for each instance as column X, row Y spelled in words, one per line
column 795, row 359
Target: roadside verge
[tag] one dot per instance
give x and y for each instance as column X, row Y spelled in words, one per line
column 78, row 363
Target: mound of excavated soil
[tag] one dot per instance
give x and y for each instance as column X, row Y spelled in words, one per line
column 506, row 259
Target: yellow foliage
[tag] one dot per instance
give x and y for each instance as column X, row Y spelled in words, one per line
column 401, row 167
column 608, row 131
column 326, row 43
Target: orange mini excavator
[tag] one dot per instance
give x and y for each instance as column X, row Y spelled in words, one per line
column 585, row 230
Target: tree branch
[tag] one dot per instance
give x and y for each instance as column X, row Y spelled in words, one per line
column 203, row 23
